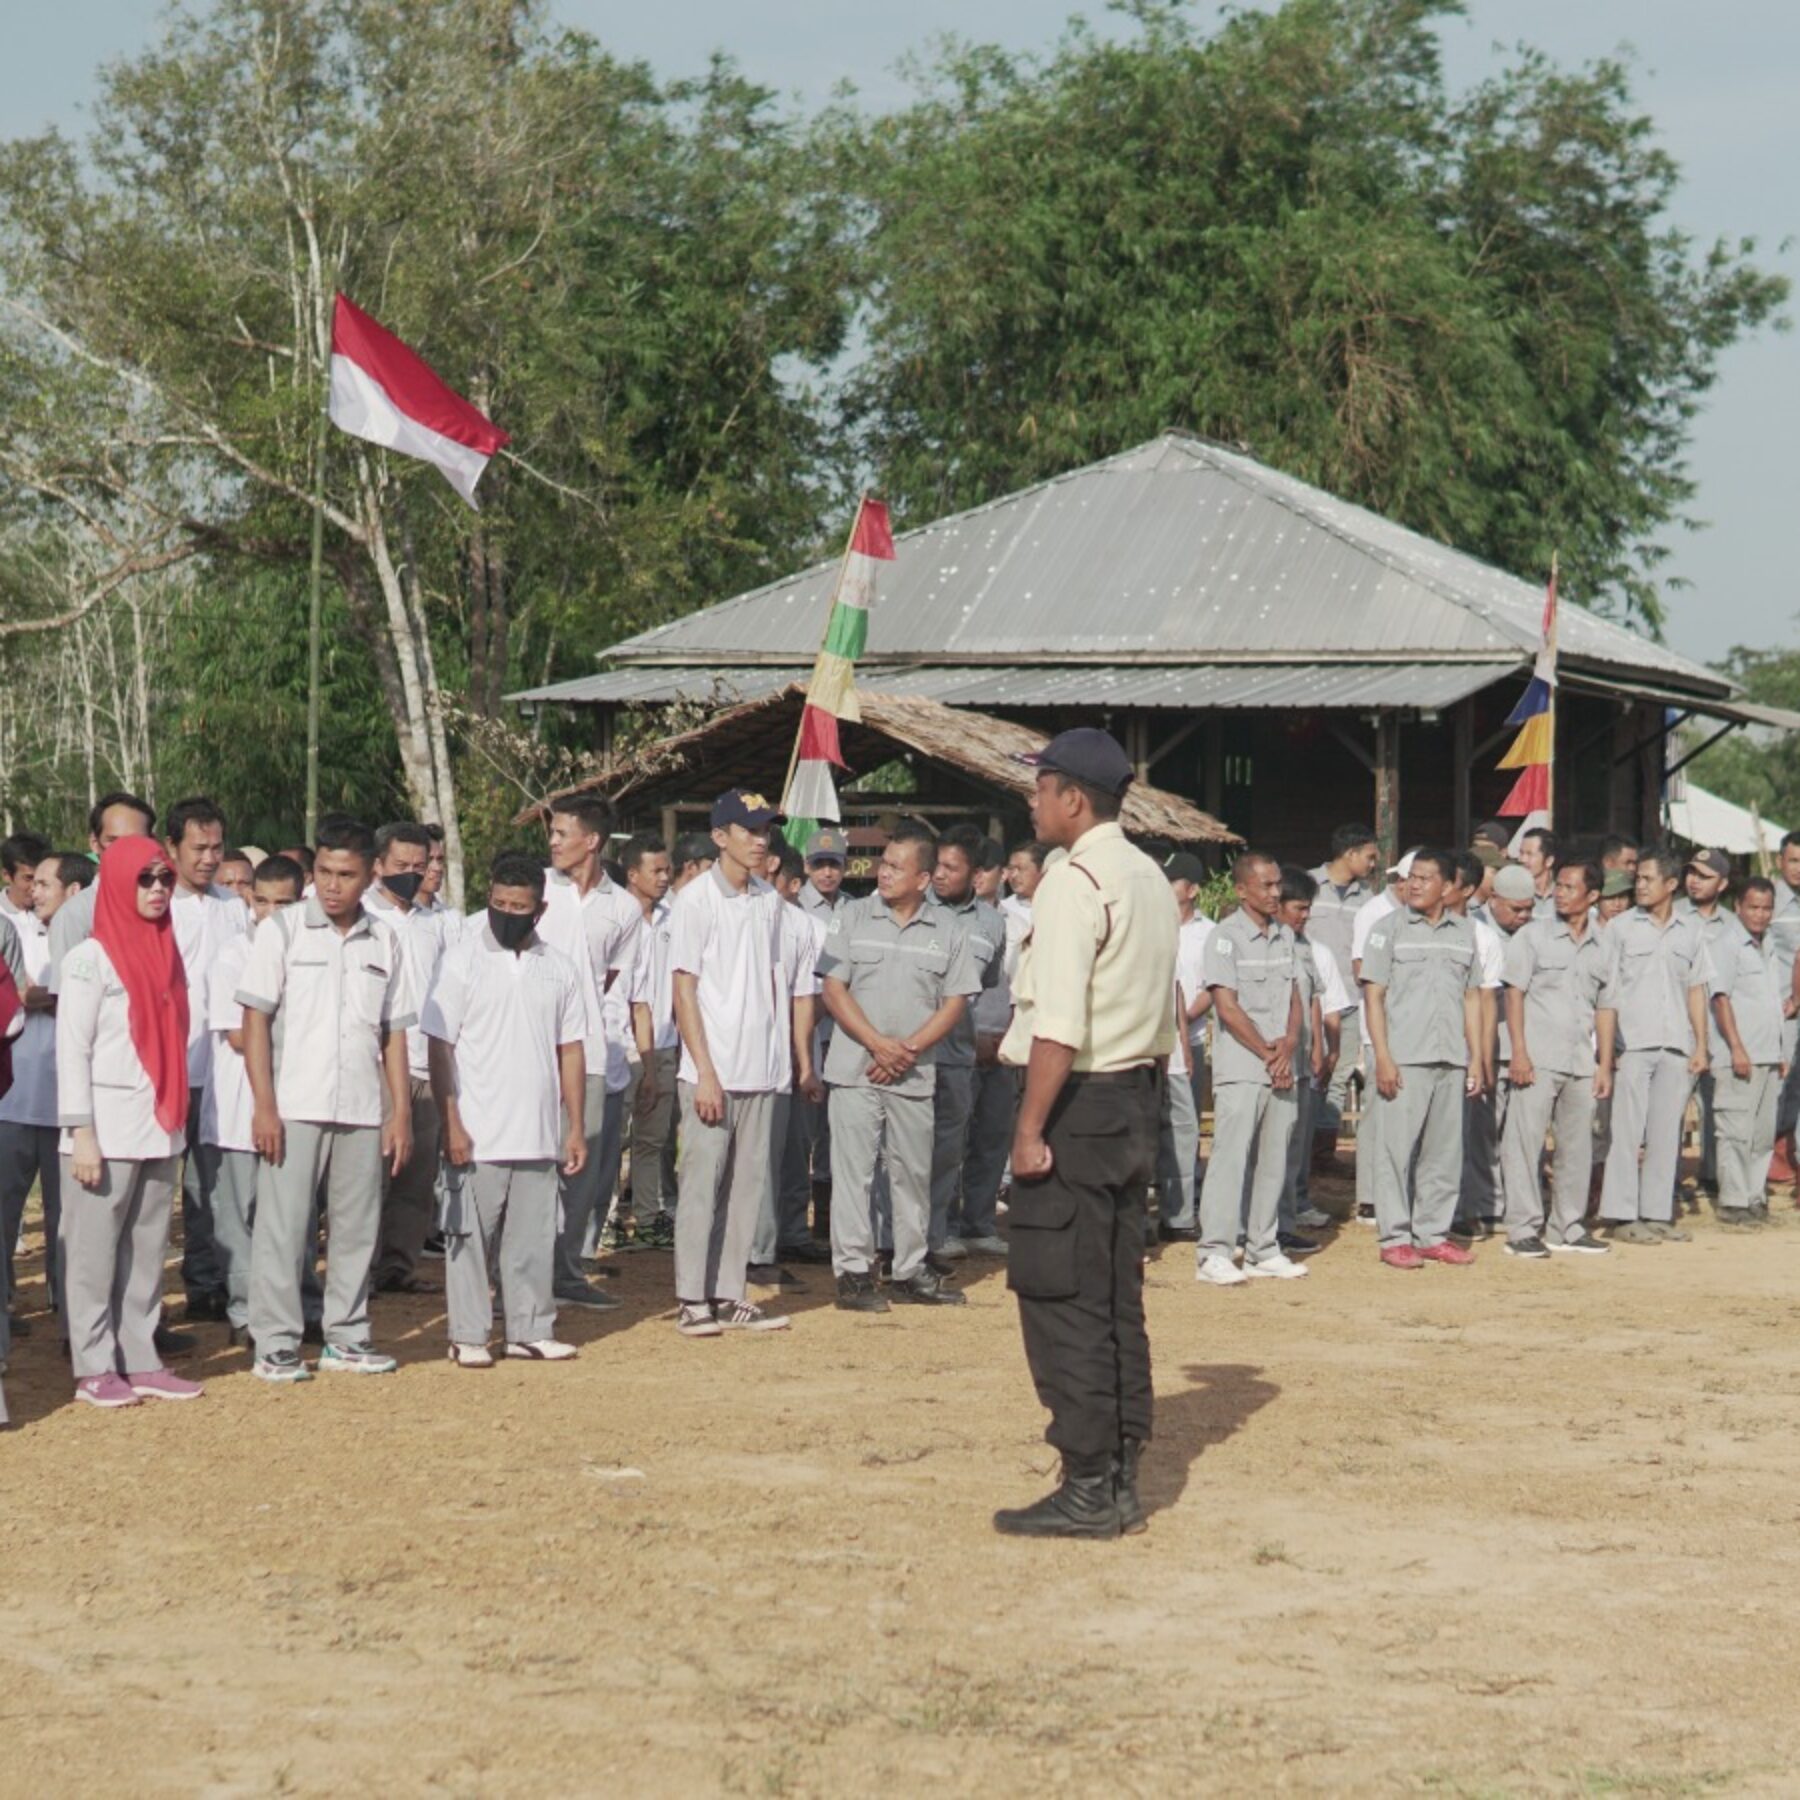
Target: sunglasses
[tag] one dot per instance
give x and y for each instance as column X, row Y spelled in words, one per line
column 157, row 878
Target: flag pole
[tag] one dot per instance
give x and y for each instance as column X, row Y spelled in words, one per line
column 315, row 622
column 837, row 587
column 1550, row 767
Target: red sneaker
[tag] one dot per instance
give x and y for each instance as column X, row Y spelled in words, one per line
column 1402, row 1256
column 1446, row 1253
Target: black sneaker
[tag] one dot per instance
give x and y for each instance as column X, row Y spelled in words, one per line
column 773, row 1275
column 1737, row 1215
column 1178, row 1234
column 1293, row 1244
column 812, row 1251
column 926, row 1288
column 858, row 1293
column 1533, row 1247
column 1584, row 1244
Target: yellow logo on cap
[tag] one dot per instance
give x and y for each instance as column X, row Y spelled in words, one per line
column 753, row 801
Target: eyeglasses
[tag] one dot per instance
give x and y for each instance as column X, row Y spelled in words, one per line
column 157, row 878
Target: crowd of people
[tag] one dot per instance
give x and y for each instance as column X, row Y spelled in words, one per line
column 711, row 1049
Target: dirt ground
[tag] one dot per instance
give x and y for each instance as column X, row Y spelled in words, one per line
column 1520, row 1528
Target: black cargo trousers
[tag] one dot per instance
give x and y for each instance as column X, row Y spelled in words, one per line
column 1076, row 1261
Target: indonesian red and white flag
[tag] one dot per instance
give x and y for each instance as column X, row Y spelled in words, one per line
column 387, row 393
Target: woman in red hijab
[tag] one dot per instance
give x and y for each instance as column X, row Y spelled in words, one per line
column 122, row 1089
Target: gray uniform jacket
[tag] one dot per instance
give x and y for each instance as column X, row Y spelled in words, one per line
column 1334, row 911
column 1260, row 967
column 1562, row 982
column 1425, row 969
column 1649, row 971
column 985, row 932
column 1749, row 974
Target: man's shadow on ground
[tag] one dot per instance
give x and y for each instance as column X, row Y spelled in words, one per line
column 1221, row 1399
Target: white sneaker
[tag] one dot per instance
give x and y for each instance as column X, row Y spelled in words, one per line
column 744, row 1315
column 1313, row 1219
column 953, row 1248
column 1274, row 1268
column 472, row 1356
column 1221, row 1271
column 543, row 1350
column 985, row 1246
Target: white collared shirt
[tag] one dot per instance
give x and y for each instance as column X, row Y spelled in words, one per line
column 228, row 1106
column 1190, row 971
column 598, row 931
column 506, row 1018
column 745, row 959
column 204, row 925
column 424, row 934
column 100, row 1079
column 332, row 995
column 652, row 982
column 24, row 921
column 31, row 1100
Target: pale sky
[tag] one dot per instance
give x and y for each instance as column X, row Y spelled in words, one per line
column 1720, row 82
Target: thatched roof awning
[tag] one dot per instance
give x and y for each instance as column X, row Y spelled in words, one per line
column 748, row 746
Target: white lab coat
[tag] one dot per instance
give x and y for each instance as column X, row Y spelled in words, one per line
column 99, row 1079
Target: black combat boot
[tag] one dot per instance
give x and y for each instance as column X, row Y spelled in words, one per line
column 1125, row 1471
column 1083, row 1507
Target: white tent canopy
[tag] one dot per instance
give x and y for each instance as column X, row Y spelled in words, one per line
column 1709, row 823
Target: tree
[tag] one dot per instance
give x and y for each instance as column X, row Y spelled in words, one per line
column 1468, row 314
column 1757, row 768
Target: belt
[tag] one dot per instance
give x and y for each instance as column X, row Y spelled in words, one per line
column 1112, row 1077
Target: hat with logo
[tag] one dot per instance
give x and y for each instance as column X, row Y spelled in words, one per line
column 742, row 807
column 1086, row 754
column 1515, row 884
column 828, row 846
column 1617, row 882
column 1184, row 865
column 1711, row 862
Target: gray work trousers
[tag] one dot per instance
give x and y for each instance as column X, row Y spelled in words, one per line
column 409, row 1200
column 28, row 1155
column 347, row 1159
column 114, row 1240
column 500, row 1224
column 1559, row 1103
column 1329, row 1118
column 952, row 1109
column 653, row 1141
column 231, row 1178
column 724, row 1174
column 781, row 1219
column 1178, row 1153
column 1745, row 1115
column 585, row 1198
column 1295, row 1194
column 1368, row 1135
column 990, row 1145
column 1650, row 1089
column 1252, row 1128
column 1420, row 1174
column 1484, row 1127
column 871, row 1122
column 202, row 1266
column 1702, row 1090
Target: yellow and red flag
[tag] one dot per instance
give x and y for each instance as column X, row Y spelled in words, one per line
column 1533, row 750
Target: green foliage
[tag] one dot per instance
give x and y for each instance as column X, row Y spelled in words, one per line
column 1469, row 315
column 1755, row 768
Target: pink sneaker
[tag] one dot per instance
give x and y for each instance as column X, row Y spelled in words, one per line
column 159, row 1384
column 1402, row 1256
column 1447, row 1253
column 105, row 1390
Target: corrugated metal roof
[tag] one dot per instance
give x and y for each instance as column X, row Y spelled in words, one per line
column 1221, row 685
column 1178, row 551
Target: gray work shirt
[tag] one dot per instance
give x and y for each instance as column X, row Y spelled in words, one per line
column 1306, row 973
column 899, row 974
column 1334, row 911
column 985, row 932
column 1649, row 970
column 1561, row 978
column 1426, row 969
column 1259, row 966
column 1784, row 928
column 1749, row 975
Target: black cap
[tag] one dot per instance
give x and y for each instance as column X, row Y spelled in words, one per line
column 1184, row 865
column 741, row 807
column 1085, row 754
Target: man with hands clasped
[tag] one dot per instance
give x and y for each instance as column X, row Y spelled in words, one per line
column 1750, row 1003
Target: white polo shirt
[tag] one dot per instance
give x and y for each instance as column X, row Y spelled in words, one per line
column 204, row 925
column 506, row 1016
column 332, row 994
column 1190, row 970
column 748, row 964
column 31, row 1100
column 598, row 932
column 423, row 933
column 24, row 921
column 100, row 1080
column 228, row 1106
column 652, row 983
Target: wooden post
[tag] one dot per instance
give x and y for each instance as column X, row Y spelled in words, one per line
column 1387, row 784
column 1463, row 726
column 669, row 830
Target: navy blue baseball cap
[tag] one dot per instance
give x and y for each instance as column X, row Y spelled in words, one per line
column 743, row 807
column 1085, row 754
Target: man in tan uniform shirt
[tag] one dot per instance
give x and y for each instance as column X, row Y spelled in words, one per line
column 1093, row 1026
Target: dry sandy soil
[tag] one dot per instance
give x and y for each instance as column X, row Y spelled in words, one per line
column 1522, row 1528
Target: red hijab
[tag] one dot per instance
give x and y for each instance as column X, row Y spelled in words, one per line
column 148, row 962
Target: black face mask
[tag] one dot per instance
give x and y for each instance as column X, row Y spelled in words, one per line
column 510, row 929
column 404, row 887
